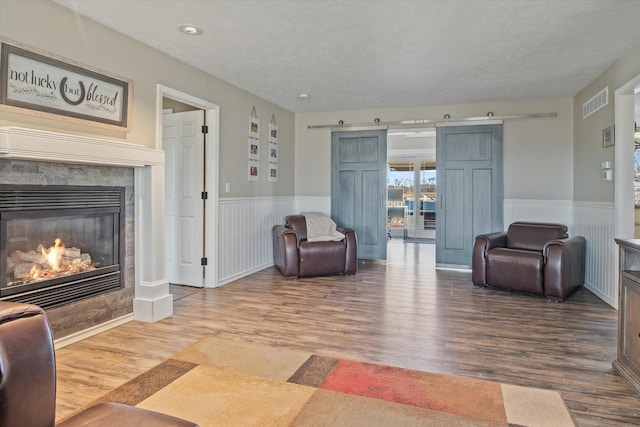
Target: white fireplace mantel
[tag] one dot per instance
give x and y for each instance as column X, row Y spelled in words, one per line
column 152, row 301
column 44, row 146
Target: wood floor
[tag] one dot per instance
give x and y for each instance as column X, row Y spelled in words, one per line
column 404, row 313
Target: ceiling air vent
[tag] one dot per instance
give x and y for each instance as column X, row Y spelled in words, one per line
column 598, row 101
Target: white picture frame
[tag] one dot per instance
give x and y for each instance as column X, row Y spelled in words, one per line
column 273, row 153
column 273, row 172
column 254, row 127
column 254, row 149
column 253, row 170
column 273, row 133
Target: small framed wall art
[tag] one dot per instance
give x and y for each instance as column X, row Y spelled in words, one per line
column 273, row 150
column 608, row 137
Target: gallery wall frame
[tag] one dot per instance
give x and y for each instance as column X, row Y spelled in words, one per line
column 608, row 137
column 273, row 150
column 37, row 83
column 254, row 147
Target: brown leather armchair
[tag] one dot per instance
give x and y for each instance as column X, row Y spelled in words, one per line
column 28, row 379
column 296, row 257
column 537, row 258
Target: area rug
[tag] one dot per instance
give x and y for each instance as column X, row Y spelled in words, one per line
column 217, row 382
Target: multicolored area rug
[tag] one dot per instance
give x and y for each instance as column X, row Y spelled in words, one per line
column 217, row 382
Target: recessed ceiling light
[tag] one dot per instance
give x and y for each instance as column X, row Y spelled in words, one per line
column 191, row 30
column 304, row 96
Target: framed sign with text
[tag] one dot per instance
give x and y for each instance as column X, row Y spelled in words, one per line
column 44, row 84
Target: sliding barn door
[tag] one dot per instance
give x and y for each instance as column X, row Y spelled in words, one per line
column 358, row 188
column 470, row 189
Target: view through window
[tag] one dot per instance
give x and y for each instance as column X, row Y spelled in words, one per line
column 412, row 198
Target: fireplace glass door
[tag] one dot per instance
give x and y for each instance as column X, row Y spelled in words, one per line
column 60, row 244
column 51, row 247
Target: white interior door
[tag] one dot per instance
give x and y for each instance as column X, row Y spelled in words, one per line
column 183, row 143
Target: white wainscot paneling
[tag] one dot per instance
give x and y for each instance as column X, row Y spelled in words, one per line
column 596, row 222
column 245, row 242
column 557, row 211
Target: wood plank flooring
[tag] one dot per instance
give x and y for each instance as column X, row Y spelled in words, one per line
column 404, row 313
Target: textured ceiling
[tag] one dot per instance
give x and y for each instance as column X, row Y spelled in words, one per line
column 368, row 54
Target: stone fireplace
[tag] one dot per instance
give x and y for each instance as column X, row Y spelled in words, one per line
column 118, row 200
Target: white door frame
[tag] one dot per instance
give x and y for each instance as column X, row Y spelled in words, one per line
column 212, row 141
column 624, row 166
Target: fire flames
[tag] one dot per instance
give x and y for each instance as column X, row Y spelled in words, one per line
column 53, row 259
column 43, row 264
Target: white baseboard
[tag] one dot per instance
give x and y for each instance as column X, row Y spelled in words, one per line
column 94, row 330
column 240, row 275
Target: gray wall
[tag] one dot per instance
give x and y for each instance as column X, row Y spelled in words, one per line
column 538, row 153
column 588, row 151
column 47, row 27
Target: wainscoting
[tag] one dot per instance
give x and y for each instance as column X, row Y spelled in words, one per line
column 245, row 244
column 596, row 222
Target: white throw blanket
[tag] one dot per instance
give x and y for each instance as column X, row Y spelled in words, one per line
column 321, row 228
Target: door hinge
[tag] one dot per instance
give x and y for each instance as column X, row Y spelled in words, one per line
column 205, row 129
column 205, row 195
column 203, row 261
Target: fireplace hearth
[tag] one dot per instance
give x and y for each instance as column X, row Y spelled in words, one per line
column 60, row 244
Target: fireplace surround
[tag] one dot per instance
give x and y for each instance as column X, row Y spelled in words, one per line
column 38, row 157
column 60, row 244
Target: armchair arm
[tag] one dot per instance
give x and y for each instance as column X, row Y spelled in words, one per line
column 27, row 367
column 483, row 243
column 285, row 251
column 351, row 258
column 564, row 266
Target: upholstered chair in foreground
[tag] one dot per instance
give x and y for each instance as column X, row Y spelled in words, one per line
column 28, row 379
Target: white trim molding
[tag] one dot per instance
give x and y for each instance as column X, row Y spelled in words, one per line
column 94, row 330
column 44, row 146
column 212, row 160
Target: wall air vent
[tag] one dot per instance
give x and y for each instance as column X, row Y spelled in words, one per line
column 596, row 102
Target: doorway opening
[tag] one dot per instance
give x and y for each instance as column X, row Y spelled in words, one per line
column 636, row 144
column 625, row 115
column 411, row 185
column 197, row 264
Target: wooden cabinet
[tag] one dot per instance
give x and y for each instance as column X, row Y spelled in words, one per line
column 628, row 362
